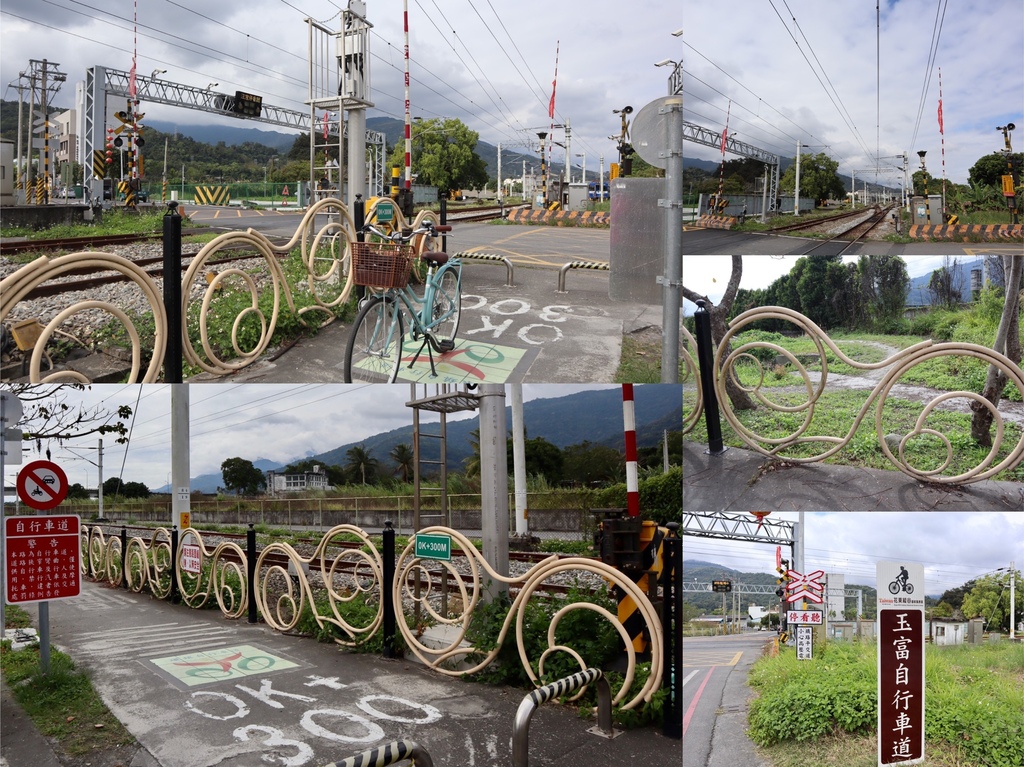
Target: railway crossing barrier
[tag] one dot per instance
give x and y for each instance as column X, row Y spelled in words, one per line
column 717, row 365
column 579, row 680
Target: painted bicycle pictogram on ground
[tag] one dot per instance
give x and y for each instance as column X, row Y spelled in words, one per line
column 221, row 664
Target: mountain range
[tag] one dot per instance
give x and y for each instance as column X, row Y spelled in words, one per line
column 393, row 130
column 594, row 416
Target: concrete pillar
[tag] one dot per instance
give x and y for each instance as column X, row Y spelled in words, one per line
column 494, row 482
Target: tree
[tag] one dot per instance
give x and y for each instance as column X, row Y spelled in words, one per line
column 76, row 492
column 955, row 597
column 591, row 464
column 241, row 477
column 942, row 286
column 471, row 463
column 443, row 155
column 115, row 487
column 990, row 599
column 989, row 170
column 49, row 416
column 542, row 459
column 819, row 179
column 813, row 288
column 739, row 398
column 1007, row 342
column 361, row 465
column 403, row 457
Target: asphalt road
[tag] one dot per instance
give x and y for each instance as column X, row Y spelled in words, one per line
column 721, row 242
column 715, row 699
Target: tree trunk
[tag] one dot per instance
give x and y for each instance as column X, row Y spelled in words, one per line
column 739, row 398
column 981, row 421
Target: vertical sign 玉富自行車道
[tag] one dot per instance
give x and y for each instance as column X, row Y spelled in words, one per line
column 900, row 663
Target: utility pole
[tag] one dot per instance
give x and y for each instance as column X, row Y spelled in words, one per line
column 1013, row 614
column 497, row 188
column 796, row 192
column 493, row 483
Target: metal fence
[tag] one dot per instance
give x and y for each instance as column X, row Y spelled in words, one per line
column 714, row 367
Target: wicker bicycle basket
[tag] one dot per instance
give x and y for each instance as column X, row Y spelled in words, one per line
column 382, row 264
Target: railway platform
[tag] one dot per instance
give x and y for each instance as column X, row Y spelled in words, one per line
column 196, row 690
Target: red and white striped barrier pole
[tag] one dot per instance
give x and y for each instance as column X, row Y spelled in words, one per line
column 629, row 422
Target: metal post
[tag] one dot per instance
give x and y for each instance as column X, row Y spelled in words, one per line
column 672, row 282
column 519, row 459
column 493, row 483
column 250, row 568
column 706, row 362
column 1013, row 613
column 175, row 597
column 124, row 555
column 180, row 447
column 796, row 191
column 172, row 292
column 672, row 624
column 386, row 586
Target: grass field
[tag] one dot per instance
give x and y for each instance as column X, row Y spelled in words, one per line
column 822, row 712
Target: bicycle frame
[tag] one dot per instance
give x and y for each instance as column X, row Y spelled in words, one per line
column 419, row 308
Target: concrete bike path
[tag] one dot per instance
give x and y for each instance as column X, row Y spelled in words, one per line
column 741, row 480
column 198, row 690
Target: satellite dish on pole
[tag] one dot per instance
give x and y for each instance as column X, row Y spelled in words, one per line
column 650, row 132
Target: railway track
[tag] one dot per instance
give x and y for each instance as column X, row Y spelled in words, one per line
column 856, row 232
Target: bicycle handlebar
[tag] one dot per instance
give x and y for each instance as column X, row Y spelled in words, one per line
column 428, row 227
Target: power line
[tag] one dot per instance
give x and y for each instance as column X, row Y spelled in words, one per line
column 940, row 16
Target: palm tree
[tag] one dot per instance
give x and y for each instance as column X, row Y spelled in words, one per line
column 402, row 455
column 360, row 463
column 472, row 463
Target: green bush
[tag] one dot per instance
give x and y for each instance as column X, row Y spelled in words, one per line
column 803, row 700
column 763, row 354
column 661, row 496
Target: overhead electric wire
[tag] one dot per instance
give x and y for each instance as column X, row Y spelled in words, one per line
column 940, row 16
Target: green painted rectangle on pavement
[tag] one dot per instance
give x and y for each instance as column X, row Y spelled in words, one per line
column 433, row 546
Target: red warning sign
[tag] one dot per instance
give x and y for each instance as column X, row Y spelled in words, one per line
column 42, row 485
column 41, row 558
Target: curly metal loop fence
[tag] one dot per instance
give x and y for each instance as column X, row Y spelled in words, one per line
column 345, row 574
column 326, row 257
column 691, row 371
column 899, row 364
column 289, row 586
column 411, row 568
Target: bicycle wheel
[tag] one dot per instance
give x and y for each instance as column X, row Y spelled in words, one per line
column 447, row 305
column 909, row 588
column 894, row 588
column 374, row 349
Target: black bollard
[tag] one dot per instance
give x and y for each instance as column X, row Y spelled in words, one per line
column 172, row 292
column 672, row 623
column 250, row 569
column 387, row 596
column 124, row 555
column 358, row 220
column 175, row 596
column 706, row 362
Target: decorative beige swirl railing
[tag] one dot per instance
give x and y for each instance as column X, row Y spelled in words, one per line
column 691, row 372
column 324, row 236
column 287, row 584
column 898, row 365
column 408, row 567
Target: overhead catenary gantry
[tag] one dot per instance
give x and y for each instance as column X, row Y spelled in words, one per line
column 738, row 527
column 102, row 82
column 707, row 137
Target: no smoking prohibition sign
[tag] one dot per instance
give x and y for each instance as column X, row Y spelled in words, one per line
column 42, row 485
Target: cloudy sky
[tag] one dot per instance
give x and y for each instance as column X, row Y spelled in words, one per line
column 709, row 275
column 276, row 422
column 489, row 64
column 753, row 52
column 954, row 547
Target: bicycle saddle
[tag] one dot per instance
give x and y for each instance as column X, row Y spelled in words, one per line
column 436, row 258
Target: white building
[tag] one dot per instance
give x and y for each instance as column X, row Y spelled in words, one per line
column 295, row 483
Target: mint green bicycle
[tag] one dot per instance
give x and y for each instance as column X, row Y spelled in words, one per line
column 380, row 343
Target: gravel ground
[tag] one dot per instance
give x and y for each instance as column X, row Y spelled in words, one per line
column 126, row 295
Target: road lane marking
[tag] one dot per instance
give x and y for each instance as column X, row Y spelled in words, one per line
column 690, row 676
column 693, row 703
